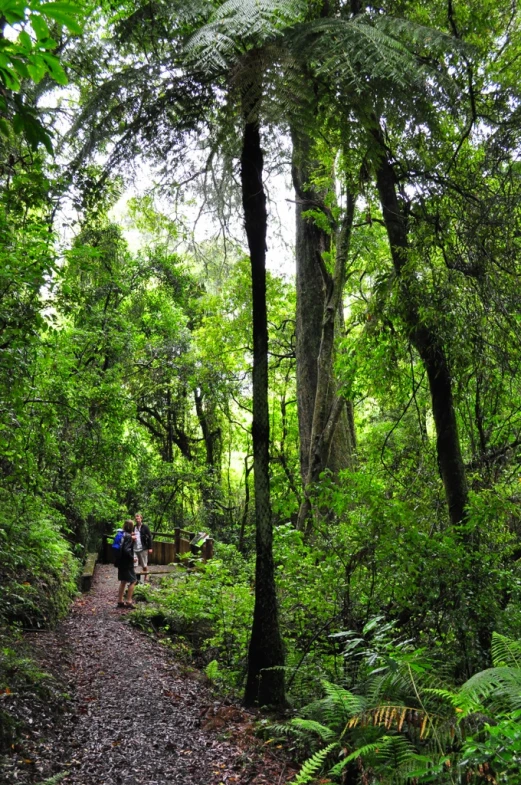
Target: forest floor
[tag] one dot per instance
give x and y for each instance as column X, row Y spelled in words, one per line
column 134, row 715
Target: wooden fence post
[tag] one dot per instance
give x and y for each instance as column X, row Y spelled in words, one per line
column 207, row 549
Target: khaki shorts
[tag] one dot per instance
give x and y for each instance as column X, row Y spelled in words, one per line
column 142, row 558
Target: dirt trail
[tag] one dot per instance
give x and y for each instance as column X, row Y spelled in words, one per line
column 134, row 717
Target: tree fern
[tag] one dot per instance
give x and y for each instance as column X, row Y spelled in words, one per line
column 386, row 50
column 355, row 51
column 238, row 25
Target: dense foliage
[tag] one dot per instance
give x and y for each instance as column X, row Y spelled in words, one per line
column 378, row 489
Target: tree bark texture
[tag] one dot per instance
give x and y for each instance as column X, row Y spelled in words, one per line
column 328, row 406
column 426, row 342
column 210, row 483
column 311, row 287
column 265, row 680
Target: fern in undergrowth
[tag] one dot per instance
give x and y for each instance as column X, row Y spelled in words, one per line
column 400, row 726
column 498, row 688
column 311, row 726
column 505, row 652
column 313, row 765
column 337, row 707
column 392, row 727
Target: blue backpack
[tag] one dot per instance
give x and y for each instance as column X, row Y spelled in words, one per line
column 116, row 546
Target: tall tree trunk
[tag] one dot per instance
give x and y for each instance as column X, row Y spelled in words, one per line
column 265, row 680
column 426, row 342
column 312, row 300
column 328, row 408
column 211, row 479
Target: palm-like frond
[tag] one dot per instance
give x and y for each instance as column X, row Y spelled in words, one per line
column 360, row 52
column 423, row 40
column 355, row 52
column 239, row 25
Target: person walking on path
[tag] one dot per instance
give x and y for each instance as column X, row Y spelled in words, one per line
column 142, row 544
column 126, row 573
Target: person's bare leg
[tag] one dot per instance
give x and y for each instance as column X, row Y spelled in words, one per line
column 121, row 591
column 130, row 592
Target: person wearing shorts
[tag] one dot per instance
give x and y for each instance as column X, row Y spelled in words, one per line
column 142, row 543
column 126, row 573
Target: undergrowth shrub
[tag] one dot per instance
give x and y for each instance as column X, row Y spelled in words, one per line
column 209, row 608
column 37, row 582
column 37, row 570
column 398, row 724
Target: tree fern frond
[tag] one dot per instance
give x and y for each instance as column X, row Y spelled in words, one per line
column 239, row 25
column 426, row 39
column 505, row 651
column 357, row 51
column 313, row 765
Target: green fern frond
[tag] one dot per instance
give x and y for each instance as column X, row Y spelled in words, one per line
column 361, row 752
column 281, row 729
column 463, row 703
column 426, row 39
column 311, row 726
column 501, row 684
column 355, row 51
column 342, row 698
column 55, row 778
column 505, row 651
column 395, row 751
column 239, row 25
column 336, row 708
column 313, row 765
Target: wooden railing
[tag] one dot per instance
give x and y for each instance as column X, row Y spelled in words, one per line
column 166, row 548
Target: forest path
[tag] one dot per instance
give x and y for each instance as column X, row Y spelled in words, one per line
column 135, row 717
